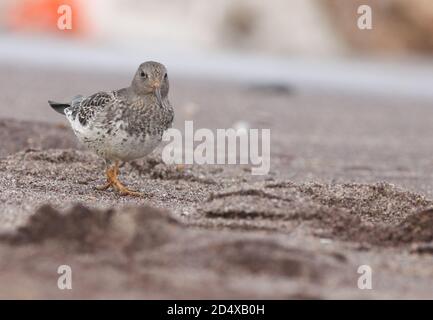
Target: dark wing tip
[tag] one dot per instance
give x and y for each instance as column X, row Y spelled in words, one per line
column 59, row 107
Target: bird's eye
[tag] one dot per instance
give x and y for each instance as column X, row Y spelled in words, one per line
column 165, row 76
column 143, row 75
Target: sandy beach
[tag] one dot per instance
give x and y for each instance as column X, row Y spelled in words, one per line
column 350, row 184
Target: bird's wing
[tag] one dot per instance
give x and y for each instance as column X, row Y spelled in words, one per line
column 86, row 108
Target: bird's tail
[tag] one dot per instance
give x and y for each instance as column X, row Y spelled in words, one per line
column 59, row 107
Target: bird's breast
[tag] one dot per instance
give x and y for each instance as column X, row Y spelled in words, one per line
column 125, row 132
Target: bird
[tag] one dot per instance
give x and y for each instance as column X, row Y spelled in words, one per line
column 125, row 124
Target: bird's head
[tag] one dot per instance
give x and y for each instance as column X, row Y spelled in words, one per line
column 151, row 78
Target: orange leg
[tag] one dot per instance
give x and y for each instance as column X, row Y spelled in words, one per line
column 108, row 183
column 113, row 181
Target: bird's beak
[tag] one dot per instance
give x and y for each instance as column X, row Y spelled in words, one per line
column 157, row 89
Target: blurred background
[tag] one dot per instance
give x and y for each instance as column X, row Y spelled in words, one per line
column 277, row 27
column 305, row 42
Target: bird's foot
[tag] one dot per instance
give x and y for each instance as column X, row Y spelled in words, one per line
column 104, row 187
column 126, row 192
column 120, row 188
column 113, row 181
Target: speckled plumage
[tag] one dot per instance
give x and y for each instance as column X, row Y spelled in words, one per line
column 122, row 124
column 125, row 124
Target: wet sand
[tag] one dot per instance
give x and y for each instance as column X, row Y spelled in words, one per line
column 350, row 184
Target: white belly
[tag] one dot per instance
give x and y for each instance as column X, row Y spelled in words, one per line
column 126, row 148
column 118, row 145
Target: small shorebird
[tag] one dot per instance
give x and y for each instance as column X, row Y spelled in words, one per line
column 125, row 124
